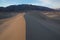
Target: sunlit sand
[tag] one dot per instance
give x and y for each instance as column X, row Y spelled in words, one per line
column 15, row 28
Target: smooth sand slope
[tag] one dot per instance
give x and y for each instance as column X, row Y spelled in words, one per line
column 39, row 28
column 15, row 28
column 29, row 26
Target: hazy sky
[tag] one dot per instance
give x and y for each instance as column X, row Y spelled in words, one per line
column 47, row 3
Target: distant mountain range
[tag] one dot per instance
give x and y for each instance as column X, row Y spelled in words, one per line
column 58, row 9
column 24, row 7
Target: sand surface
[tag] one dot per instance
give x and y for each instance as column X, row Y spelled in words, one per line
column 29, row 26
column 40, row 29
column 14, row 28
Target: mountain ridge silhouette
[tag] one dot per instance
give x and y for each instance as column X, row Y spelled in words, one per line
column 24, row 7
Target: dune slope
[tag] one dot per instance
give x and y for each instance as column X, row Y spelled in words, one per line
column 15, row 28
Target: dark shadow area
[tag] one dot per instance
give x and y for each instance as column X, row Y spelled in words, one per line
column 40, row 29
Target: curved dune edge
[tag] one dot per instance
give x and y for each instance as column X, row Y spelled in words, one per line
column 16, row 28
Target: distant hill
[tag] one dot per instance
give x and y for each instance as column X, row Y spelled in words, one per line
column 24, row 7
column 58, row 9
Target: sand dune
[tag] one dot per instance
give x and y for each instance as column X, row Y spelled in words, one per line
column 29, row 26
column 41, row 28
column 14, row 28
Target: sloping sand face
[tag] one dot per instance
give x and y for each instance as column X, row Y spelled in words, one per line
column 15, row 28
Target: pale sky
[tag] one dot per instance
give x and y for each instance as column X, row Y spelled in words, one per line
column 47, row 3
